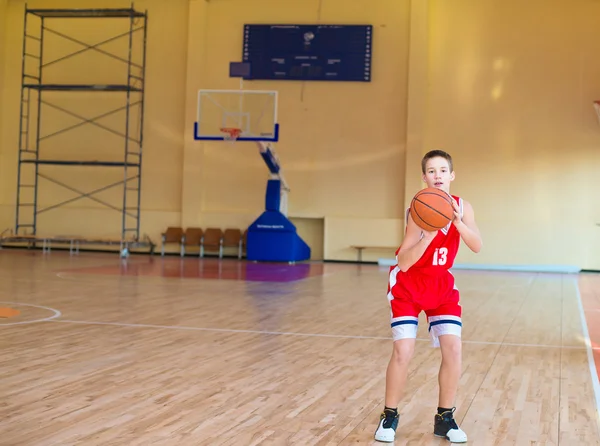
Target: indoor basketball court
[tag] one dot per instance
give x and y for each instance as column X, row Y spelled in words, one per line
column 202, row 203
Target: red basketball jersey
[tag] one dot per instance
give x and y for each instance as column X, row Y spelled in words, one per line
column 442, row 250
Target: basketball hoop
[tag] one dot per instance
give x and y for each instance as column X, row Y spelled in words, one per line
column 597, row 108
column 231, row 133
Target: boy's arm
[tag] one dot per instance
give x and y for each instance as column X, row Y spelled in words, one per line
column 467, row 227
column 413, row 246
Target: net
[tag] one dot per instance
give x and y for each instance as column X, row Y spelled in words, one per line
column 231, row 134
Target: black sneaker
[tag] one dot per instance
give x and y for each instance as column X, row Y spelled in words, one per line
column 388, row 422
column 445, row 426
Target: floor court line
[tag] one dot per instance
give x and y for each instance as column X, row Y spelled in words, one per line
column 590, row 354
column 56, row 314
column 80, row 277
column 289, row 333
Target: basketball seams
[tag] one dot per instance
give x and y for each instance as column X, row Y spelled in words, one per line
column 444, row 196
column 432, row 228
column 421, row 218
column 433, row 209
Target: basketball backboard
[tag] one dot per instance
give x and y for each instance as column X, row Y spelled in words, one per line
column 254, row 112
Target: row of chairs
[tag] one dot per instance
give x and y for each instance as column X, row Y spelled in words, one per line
column 210, row 239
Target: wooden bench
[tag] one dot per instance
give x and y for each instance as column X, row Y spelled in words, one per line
column 360, row 249
column 74, row 242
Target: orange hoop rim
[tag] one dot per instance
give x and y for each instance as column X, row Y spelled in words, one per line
column 233, row 132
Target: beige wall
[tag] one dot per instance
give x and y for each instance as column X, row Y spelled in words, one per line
column 3, row 22
column 509, row 95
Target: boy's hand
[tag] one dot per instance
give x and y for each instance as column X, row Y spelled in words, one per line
column 457, row 218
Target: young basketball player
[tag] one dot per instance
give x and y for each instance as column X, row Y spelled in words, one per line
column 421, row 281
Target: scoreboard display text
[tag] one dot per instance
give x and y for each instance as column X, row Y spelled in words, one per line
column 308, row 52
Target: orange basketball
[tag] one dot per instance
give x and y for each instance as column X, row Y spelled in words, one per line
column 431, row 209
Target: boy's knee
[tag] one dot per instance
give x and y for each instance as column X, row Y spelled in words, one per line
column 451, row 347
column 403, row 350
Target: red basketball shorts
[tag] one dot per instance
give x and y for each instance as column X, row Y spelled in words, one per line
column 411, row 292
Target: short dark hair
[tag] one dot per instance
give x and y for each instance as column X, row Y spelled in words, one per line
column 435, row 154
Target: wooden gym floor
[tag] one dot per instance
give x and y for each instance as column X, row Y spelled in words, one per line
column 164, row 351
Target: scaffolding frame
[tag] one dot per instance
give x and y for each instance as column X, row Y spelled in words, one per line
column 27, row 211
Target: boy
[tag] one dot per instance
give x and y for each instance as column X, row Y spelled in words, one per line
column 421, row 281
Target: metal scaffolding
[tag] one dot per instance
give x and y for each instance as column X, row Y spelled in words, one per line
column 34, row 94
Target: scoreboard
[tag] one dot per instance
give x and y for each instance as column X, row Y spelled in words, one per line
column 308, row 52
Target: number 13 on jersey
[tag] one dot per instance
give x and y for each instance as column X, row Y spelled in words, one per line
column 440, row 256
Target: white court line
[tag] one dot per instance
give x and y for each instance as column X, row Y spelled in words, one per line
column 50, row 318
column 222, row 330
column 73, row 277
column 291, row 333
column 76, row 278
column 590, row 354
